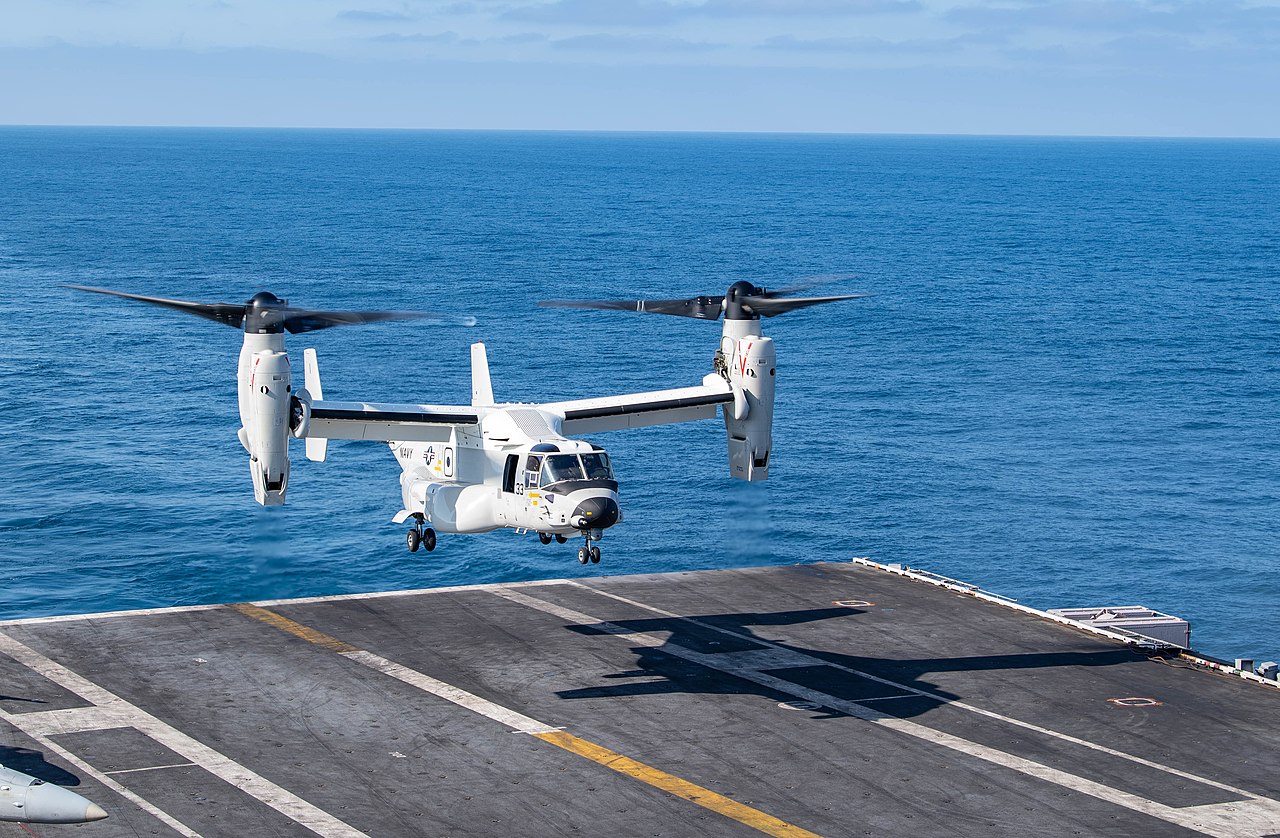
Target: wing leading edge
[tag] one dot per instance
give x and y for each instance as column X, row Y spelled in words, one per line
column 641, row 410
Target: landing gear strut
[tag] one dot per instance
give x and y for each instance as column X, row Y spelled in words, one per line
column 589, row 552
column 420, row 535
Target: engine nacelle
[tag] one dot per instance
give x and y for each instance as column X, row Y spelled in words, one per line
column 751, row 364
column 300, row 414
column 268, row 402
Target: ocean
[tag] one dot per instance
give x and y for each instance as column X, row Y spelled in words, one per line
column 1063, row 388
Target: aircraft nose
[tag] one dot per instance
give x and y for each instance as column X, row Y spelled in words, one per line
column 48, row 803
column 596, row 513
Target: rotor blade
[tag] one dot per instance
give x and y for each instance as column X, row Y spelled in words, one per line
column 808, row 282
column 298, row 320
column 772, row 306
column 226, row 313
column 699, row 308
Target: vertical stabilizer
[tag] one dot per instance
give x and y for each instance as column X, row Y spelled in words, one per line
column 481, row 386
column 317, row 447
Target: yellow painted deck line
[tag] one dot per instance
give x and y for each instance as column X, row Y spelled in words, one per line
column 801, row 659
column 672, row 784
column 1256, row 820
column 288, row 626
column 718, row 803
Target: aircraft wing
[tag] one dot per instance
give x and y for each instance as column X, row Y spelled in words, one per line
column 387, row 422
column 640, row 410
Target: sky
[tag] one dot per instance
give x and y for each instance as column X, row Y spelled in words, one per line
column 1199, row 68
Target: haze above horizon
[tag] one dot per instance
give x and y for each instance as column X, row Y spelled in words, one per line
column 1171, row 68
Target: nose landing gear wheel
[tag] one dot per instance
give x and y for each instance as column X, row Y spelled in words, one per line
column 595, row 554
column 429, row 540
column 544, row 538
column 584, row 555
column 560, row 539
column 412, row 540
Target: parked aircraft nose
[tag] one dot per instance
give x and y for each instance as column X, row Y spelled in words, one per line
column 49, row 803
column 595, row 513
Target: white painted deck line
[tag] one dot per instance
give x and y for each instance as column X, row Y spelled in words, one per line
column 1229, row 821
column 181, row 609
column 503, row 715
column 85, row 768
column 221, row 766
column 990, row 714
column 72, row 720
column 152, row 768
column 1129, row 638
column 102, row 615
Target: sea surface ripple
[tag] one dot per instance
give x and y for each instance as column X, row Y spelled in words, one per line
column 1063, row 389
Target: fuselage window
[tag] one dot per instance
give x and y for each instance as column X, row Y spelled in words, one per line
column 561, row 467
column 597, row 465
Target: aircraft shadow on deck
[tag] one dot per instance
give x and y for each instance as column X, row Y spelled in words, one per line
column 32, row 762
column 664, row 671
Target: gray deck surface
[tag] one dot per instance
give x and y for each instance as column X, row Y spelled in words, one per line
column 930, row 714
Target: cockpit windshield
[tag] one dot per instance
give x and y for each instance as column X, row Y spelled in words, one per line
column 597, row 465
column 559, row 467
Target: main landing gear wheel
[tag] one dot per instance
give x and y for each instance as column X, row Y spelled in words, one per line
column 420, row 536
column 595, row 554
column 584, row 555
column 544, row 538
column 560, row 539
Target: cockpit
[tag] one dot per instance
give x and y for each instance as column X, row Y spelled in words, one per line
column 542, row 470
column 563, row 486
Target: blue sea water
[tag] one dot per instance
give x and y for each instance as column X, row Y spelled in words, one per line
column 1064, row 387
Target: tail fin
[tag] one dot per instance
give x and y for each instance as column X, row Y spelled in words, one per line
column 481, row 386
column 317, row 447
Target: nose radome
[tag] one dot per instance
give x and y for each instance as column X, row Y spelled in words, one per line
column 49, row 803
column 596, row 513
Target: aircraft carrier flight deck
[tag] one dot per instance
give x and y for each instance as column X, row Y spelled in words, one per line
column 832, row 699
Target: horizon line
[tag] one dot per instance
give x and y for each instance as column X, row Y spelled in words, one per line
column 654, row 131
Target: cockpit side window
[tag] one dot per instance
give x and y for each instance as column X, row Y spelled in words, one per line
column 597, row 466
column 531, row 468
column 561, row 467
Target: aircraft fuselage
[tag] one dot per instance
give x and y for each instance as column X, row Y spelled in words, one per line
column 512, row 469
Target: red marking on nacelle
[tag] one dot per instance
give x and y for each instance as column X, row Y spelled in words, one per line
column 742, row 359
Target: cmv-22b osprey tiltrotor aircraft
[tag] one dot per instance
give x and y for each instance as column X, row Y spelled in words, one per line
column 484, row 466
